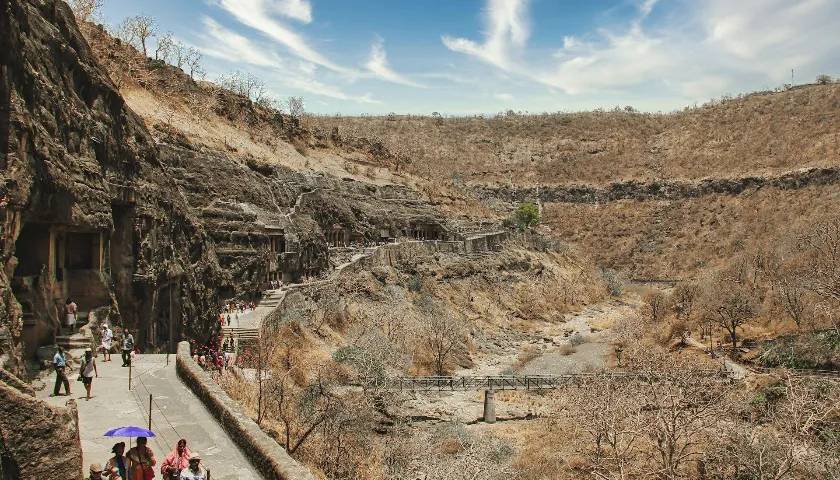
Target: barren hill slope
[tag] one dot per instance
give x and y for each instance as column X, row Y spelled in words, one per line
column 760, row 133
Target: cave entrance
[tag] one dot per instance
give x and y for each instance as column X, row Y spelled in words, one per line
column 338, row 236
column 165, row 330
column 278, row 243
column 427, row 231
column 54, row 264
column 122, row 254
column 33, row 250
column 83, row 251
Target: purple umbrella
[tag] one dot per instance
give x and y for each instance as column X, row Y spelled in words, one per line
column 129, row 432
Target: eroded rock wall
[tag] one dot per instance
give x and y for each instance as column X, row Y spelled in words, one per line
column 75, row 158
column 37, row 440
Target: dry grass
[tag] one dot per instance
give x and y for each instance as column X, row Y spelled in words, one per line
column 656, row 239
column 767, row 132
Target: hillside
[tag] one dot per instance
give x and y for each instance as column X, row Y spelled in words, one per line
column 759, row 133
column 400, row 308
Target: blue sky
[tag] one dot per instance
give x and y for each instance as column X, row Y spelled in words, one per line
column 486, row 56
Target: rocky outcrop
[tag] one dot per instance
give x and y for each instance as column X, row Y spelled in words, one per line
column 658, row 189
column 37, row 440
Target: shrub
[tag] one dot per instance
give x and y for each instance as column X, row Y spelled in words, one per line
column 526, row 216
column 577, row 339
column 614, row 284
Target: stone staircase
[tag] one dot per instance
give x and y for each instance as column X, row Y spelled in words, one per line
column 74, row 341
column 234, row 338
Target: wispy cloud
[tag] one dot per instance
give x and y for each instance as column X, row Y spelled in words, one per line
column 222, row 43
column 378, row 65
column 230, row 46
column 709, row 47
column 300, row 10
column 507, row 28
column 257, row 14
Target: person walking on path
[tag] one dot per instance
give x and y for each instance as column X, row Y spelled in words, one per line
column 107, row 343
column 194, row 471
column 127, row 347
column 60, row 365
column 177, row 461
column 141, row 461
column 70, row 309
column 87, row 370
column 116, row 466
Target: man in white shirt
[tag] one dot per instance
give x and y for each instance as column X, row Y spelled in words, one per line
column 195, row 471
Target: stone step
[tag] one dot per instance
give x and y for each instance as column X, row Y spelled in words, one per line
column 70, row 342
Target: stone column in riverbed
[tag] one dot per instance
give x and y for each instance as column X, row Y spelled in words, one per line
column 489, row 406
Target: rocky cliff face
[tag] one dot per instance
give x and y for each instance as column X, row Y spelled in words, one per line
column 659, row 189
column 89, row 209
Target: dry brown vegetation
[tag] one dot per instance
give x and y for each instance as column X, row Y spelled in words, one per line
column 686, row 426
column 757, row 133
column 681, row 239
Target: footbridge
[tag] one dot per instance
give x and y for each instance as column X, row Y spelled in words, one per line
column 493, row 383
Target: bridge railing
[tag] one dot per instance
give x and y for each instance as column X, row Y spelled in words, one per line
column 508, row 382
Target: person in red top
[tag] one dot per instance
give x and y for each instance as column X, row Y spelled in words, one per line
column 177, row 460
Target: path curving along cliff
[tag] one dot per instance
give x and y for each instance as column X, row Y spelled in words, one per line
column 659, row 189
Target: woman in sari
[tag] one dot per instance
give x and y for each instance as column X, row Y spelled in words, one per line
column 141, row 461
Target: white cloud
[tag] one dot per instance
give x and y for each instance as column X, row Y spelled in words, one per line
column 232, row 47
column 708, row 48
column 507, row 27
column 378, row 65
column 620, row 60
column 257, row 15
column 224, row 44
column 505, row 97
column 296, row 9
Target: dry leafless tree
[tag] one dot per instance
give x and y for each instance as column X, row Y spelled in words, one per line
column 137, row 31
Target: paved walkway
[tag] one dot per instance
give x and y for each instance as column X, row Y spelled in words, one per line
column 176, row 413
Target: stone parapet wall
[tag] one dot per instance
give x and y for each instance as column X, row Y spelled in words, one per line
column 266, row 455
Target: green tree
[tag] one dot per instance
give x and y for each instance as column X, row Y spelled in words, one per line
column 527, row 215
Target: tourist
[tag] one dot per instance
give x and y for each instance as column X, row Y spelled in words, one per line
column 177, row 460
column 95, row 472
column 115, row 468
column 228, row 356
column 107, row 343
column 194, row 470
column 87, row 370
column 141, row 460
column 59, row 365
column 127, row 347
column 228, row 319
column 70, row 309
